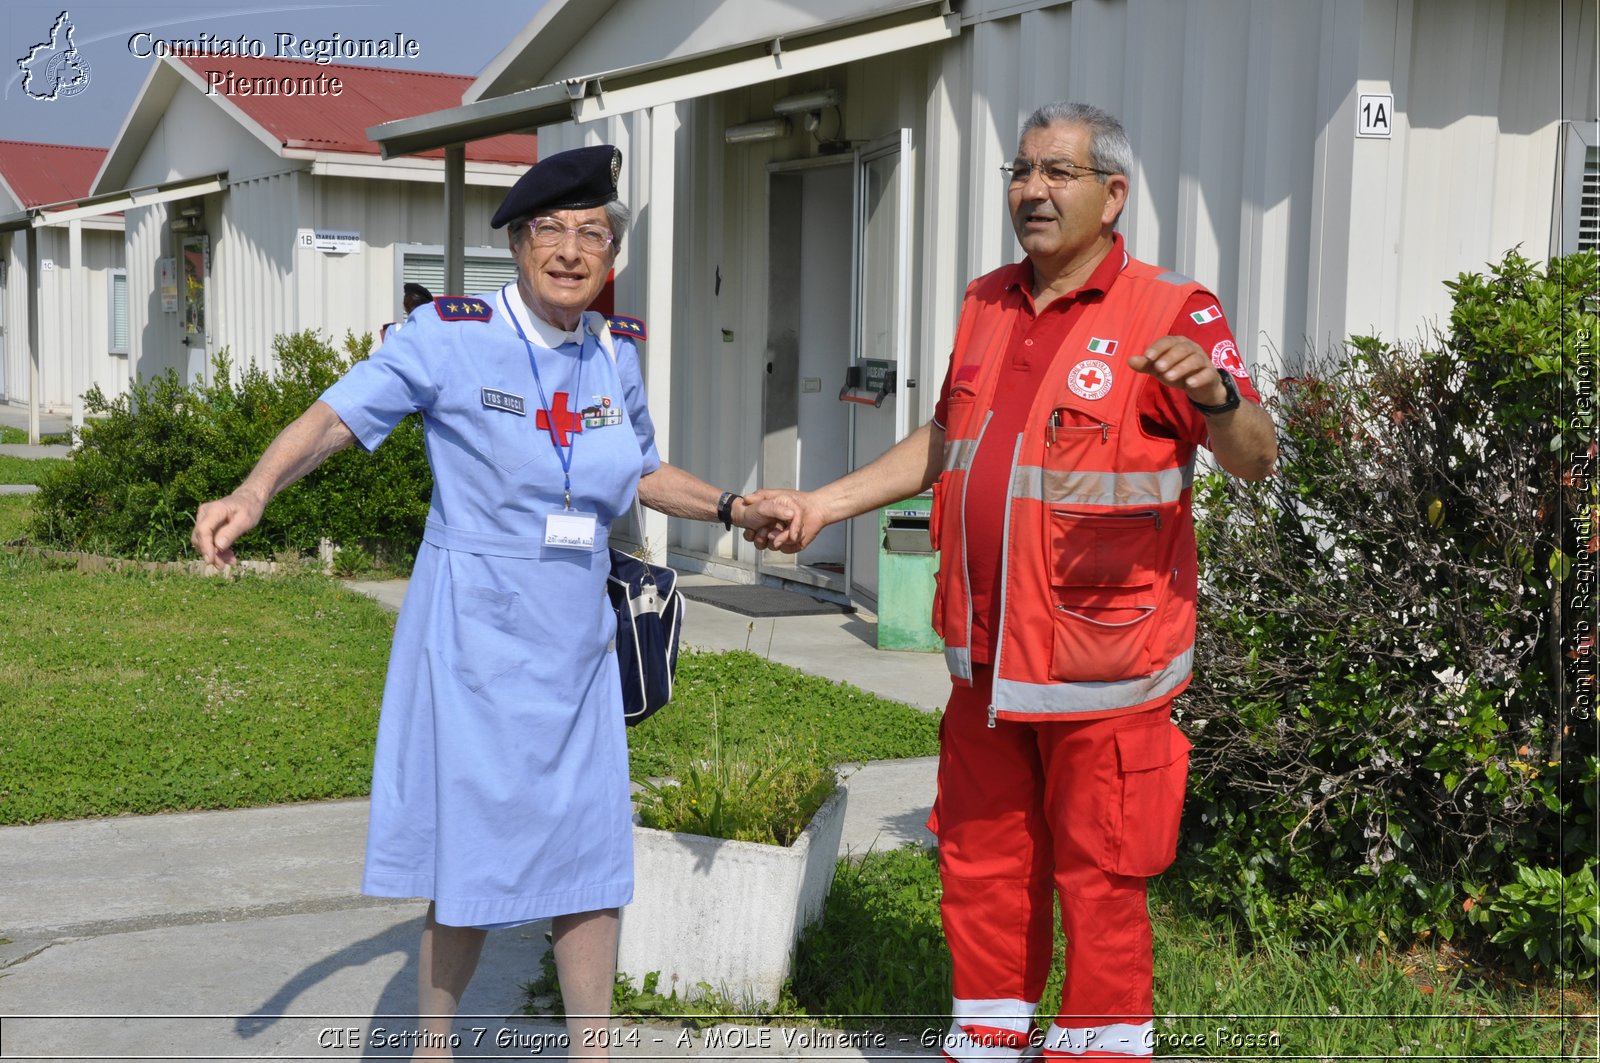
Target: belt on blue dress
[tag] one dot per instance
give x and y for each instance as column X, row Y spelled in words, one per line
column 437, row 533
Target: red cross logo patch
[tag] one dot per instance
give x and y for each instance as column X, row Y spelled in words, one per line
column 559, row 420
column 1090, row 379
column 1226, row 356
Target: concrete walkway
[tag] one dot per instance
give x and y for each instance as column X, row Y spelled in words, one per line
column 16, row 417
column 243, row 934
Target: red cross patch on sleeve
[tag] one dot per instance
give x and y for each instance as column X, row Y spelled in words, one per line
column 631, row 327
column 462, row 308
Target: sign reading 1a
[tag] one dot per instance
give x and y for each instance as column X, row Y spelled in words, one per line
column 1375, row 115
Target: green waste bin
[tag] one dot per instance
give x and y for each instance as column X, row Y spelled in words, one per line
column 906, row 566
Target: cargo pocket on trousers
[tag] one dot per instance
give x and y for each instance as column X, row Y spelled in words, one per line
column 1147, row 803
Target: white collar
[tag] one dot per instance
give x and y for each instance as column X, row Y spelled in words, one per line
column 538, row 330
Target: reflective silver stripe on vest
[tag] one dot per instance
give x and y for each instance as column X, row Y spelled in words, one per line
column 1059, row 487
column 1173, row 277
column 959, row 660
column 958, row 454
column 966, row 567
column 1011, row 696
column 1003, row 580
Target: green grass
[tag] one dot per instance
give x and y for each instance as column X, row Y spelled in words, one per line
column 18, row 435
column 25, row 470
column 132, row 693
column 757, row 702
column 14, row 513
column 136, row 693
column 879, row 951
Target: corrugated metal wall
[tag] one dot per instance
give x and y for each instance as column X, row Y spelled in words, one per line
column 1249, row 176
column 263, row 284
column 59, row 316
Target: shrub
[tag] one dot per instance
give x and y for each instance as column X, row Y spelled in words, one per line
column 1390, row 701
column 147, row 459
column 767, row 798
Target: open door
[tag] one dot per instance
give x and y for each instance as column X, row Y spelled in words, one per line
column 879, row 355
column 194, row 262
column 838, row 314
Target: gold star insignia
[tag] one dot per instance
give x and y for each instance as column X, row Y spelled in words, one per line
column 453, row 308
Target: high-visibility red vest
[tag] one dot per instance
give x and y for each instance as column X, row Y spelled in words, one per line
column 1098, row 579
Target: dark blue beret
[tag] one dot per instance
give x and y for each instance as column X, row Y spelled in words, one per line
column 567, row 180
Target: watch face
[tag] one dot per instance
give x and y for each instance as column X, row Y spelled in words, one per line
column 1229, row 385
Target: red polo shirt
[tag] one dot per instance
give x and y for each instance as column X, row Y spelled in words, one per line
column 1035, row 338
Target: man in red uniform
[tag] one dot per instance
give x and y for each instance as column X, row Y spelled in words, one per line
column 1061, row 454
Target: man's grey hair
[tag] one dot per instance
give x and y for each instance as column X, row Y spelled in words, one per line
column 1109, row 149
column 618, row 217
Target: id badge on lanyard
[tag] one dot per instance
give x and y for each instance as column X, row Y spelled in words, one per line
column 570, row 529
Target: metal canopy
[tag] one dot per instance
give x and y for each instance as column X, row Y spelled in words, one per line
column 115, row 202
column 625, row 91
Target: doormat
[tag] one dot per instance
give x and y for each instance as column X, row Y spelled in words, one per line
column 762, row 602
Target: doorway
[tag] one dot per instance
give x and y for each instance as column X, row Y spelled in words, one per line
column 837, row 303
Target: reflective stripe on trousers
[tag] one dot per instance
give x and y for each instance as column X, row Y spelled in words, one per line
column 993, row 1031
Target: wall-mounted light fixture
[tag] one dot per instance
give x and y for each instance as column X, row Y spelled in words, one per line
column 807, row 102
column 767, row 129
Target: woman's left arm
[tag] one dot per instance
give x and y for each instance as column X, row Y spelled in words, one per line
column 678, row 493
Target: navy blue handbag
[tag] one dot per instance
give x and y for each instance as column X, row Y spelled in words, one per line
column 649, row 617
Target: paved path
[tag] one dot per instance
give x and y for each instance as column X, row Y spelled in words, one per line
column 243, row 934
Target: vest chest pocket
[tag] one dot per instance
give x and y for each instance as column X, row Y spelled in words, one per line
column 1074, row 439
column 1103, row 594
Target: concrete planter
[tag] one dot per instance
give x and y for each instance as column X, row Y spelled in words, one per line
column 725, row 913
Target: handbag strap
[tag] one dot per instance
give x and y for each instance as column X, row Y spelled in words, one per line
column 597, row 324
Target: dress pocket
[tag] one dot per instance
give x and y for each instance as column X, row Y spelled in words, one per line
column 484, row 644
column 1146, row 806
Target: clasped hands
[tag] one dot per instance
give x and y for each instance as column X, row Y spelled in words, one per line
column 782, row 520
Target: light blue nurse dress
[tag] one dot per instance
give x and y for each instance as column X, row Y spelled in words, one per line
column 500, row 787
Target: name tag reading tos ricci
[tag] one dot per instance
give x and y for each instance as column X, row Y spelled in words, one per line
column 495, row 399
column 570, row 530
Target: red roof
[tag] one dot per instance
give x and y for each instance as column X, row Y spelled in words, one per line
column 48, row 173
column 317, row 120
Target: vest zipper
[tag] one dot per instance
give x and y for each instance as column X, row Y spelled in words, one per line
column 992, row 713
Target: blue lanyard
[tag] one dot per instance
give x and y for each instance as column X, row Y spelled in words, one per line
column 565, row 455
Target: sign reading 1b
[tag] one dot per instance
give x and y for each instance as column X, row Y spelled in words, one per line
column 1375, row 115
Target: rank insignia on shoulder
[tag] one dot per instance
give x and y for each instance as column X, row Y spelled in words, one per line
column 462, row 308
column 626, row 326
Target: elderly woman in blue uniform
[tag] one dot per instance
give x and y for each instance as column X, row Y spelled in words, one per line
column 500, row 788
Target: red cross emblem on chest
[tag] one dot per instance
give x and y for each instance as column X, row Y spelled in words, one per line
column 1090, row 380
column 563, row 419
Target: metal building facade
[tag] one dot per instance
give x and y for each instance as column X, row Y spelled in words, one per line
column 1250, row 176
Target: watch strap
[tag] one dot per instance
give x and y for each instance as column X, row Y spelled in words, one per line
column 725, row 508
column 1227, row 404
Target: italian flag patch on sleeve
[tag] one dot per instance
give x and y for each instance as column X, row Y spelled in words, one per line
column 1207, row 316
column 1100, row 346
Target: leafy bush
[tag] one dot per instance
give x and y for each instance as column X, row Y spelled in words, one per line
column 1391, row 701
column 1551, row 920
column 148, row 458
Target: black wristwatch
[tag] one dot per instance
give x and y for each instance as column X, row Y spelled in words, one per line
column 725, row 508
column 1229, row 403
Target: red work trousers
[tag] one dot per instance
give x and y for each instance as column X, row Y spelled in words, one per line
column 1084, row 810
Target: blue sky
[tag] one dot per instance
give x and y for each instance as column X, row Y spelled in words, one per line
column 453, row 36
